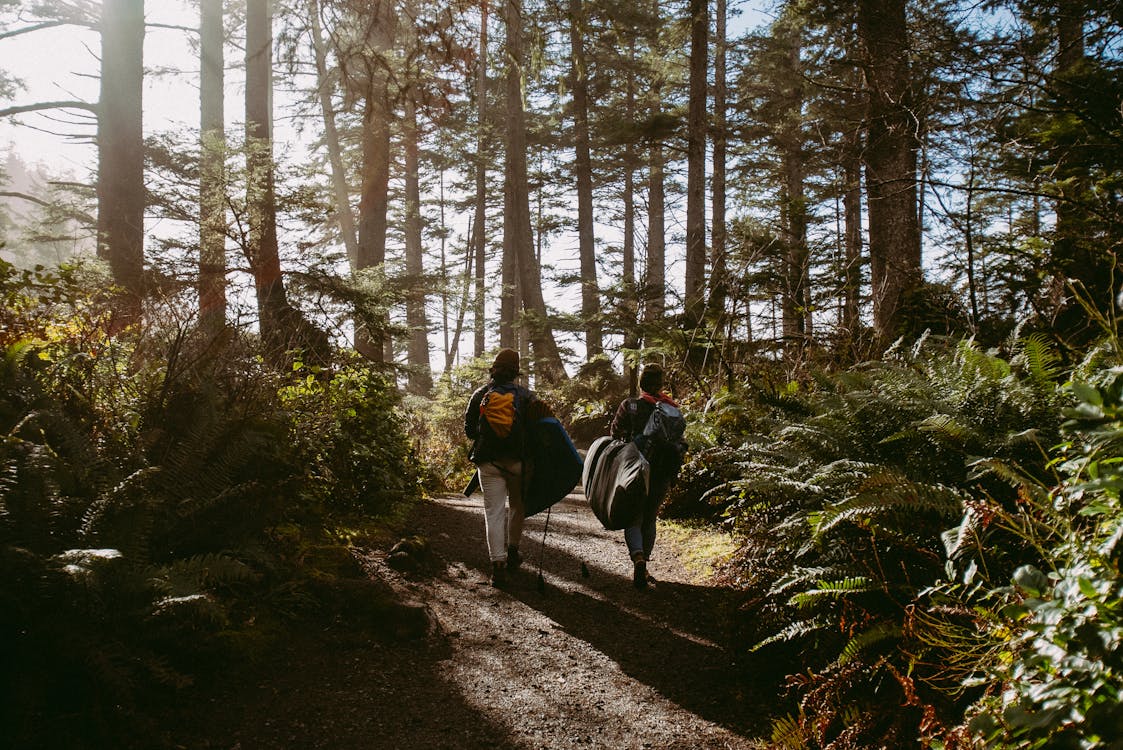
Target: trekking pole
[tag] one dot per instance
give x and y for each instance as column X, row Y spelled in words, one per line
column 542, row 552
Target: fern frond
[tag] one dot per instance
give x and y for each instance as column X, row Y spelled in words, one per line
column 1041, row 360
column 798, row 577
column 888, row 493
column 946, row 426
column 882, row 631
column 194, row 574
column 795, row 630
column 830, row 590
column 791, row 733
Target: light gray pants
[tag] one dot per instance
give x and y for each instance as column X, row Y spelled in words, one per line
column 501, row 482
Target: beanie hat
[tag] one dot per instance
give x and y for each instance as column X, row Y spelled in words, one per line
column 506, row 361
column 651, row 379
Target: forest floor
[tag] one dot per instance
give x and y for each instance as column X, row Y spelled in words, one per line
column 585, row 661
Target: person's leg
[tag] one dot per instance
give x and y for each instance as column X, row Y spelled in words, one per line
column 517, row 514
column 633, row 537
column 494, row 486
column 650, row 514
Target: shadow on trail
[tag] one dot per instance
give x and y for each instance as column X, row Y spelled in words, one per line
column 330, row 690
column 669, row 639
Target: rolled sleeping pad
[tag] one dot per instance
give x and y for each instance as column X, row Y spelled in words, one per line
column 617, row 480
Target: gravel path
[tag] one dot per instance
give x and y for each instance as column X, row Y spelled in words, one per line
column 586, row 662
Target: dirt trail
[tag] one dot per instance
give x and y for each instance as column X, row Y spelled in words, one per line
column 588, row 662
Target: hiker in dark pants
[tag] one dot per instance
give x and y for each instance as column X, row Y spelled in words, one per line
column 496, row 421
column 629, row 422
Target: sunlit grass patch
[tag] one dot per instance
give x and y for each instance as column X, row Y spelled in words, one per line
column 701, row 548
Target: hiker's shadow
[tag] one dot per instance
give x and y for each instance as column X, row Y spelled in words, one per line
column 670, row 638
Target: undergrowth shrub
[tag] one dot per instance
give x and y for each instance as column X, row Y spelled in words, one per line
column 441, row 426
column 150, row 485
column 349, row 440
column 841, row 507
column 1047, row 638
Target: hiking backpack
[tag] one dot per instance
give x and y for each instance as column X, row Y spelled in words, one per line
column 501, row 421
column 661, row 440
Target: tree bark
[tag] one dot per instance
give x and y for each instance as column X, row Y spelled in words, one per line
column 655, row 282
column 212, row 170
column 583, row 172
column 120, row 139
column 343, row 215
column 719, row 284
column 420, row 379
column 547, row 359
column 263, row 252
column 891, row 162
column 795, row 299
column 480, row 222
column 373, row 203
column 852, row 227
column 696, row 165
column 629, row 306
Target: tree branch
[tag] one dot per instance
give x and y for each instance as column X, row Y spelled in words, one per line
column 29, row 29
column 40, row 106
column 71, row 213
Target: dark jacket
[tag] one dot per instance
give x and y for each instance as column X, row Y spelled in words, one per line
column 485, row 448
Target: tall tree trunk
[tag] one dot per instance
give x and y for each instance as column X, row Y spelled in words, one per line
column 629, row 308
column 852, row 227
column 420, row 379
column 969, row 245
column 120, row 141
column 891, row 162
column 342, row 192
column 480, row 222
column 696, row 164
column 583, row 169
column 719, row 284
column 1075, row 255
column 795, row 294
column 509, row 296
column 264, row 257
column 212, row 170
column 547, row 359
column 373, row 204
column 655, row 271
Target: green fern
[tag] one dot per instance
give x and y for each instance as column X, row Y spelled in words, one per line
column 887, row 493
column 791, row 733
column 794, row 631
column 1041, row 360
column 833, row 590
column 882, row 631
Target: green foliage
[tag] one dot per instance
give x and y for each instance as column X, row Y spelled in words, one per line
column 1056, row 655
column 143, row 479
column 841, row 505
column 349, row 436
column 439, row 426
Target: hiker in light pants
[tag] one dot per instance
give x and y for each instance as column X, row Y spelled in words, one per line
column 496, row 421
column 502, row 484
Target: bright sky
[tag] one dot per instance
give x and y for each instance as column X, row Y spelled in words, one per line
column 62, row 64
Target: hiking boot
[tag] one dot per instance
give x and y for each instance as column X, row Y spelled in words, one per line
column 514, row 559
column 639, row 572
column 498, row 574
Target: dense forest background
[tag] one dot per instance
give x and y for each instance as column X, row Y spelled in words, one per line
column 874, row 243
